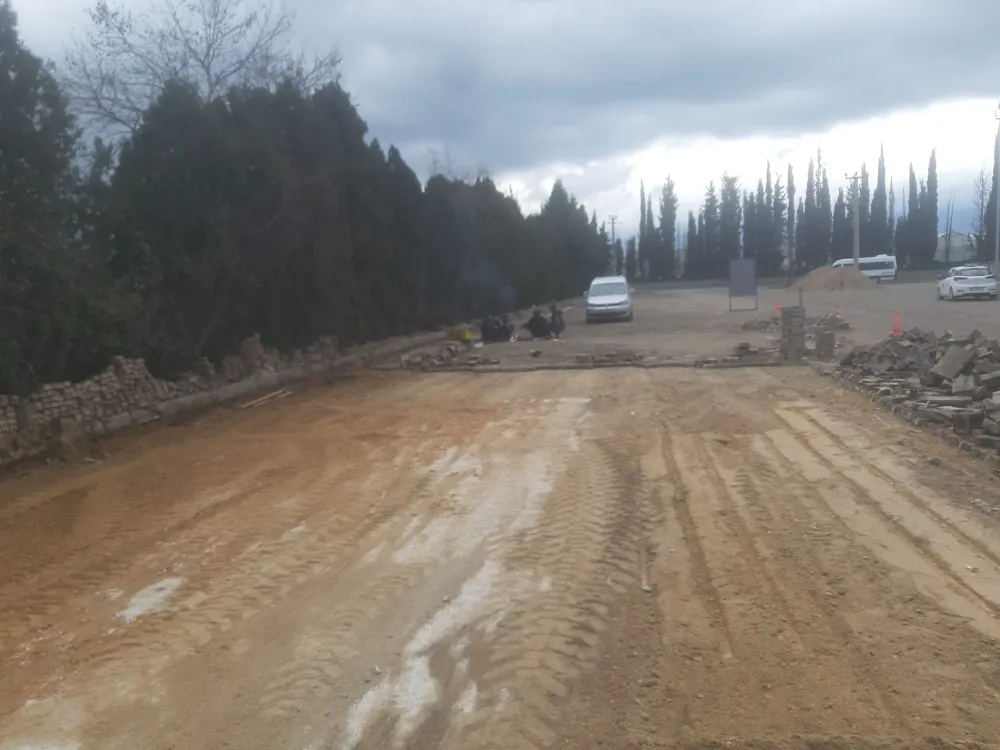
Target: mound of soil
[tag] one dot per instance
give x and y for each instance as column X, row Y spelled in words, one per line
column 827, row 279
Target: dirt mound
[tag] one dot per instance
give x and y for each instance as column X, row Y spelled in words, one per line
column 829, row 279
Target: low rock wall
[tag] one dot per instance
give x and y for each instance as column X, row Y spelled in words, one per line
column 126, row 394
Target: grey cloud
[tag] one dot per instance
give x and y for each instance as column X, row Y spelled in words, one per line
column 515, row 83
column 511, row 84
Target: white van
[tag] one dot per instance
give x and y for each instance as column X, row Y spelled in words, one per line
column 876, row 267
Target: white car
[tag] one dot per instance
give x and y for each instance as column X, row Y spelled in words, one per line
column 609, row 298
column 963, row 282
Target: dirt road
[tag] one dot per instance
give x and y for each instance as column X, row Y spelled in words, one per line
column 609, row 558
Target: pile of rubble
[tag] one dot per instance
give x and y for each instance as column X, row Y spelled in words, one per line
column 934, row 379
column 610, row 358
column 452, row 354
column 773, row 324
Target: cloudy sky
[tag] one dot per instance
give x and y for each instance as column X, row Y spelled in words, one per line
column 606, row 94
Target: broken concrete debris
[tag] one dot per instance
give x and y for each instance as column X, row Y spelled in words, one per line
column 449, row 355
column 933, row 379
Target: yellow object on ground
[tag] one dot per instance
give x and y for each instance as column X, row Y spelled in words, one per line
column 459, row 333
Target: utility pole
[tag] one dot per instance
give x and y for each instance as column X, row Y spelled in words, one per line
column 856, row 194
column 996, row 192
column 613, row 219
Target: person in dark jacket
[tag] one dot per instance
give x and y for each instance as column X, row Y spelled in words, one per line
column 538, row 326
column 496, row 329
column 557, row 323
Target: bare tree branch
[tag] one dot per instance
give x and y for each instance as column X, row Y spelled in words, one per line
column 119, row 67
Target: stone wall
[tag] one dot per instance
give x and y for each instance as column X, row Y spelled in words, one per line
column 126, row 394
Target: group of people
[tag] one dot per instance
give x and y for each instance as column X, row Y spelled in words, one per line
column 497, row 328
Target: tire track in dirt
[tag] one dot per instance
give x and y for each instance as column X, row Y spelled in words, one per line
column 583, row 549
column 960, row 571
column 772, row 513
column 478, row 503
column 964, row 522
column 36, row 600
column 891, row 633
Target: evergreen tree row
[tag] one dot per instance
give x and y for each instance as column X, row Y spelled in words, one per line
column 258, row 209
column 766, row 223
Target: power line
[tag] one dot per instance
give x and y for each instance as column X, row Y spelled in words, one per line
column 614, row 220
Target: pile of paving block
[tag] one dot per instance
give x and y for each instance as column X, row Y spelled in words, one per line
column 773, row 324
column 610, row 359
column 934, row 380
column 451, row 355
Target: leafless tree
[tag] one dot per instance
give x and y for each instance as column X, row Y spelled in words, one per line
column 980, row 199
column 442, row 163
column 115, row 70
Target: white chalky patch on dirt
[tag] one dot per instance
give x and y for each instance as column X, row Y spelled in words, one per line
column 151, row 599
column 443, row 459
column 372, row 554
column 414, row 690
column 467, row 702
column 56, row 719
column 494, row 494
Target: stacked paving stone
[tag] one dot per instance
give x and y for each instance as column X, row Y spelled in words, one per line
column 934, row 380
column 826, row 343
column 793, row 334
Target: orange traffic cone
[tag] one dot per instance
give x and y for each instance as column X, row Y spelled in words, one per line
column 777, row 306
column 897, row 326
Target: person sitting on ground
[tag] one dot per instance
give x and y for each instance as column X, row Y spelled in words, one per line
column 538, row 326
column 496, row 329
column 556, row 321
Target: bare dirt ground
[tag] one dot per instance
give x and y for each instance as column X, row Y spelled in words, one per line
column 609, row 558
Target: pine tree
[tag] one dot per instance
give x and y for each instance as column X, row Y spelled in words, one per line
column 891, row 220
column 751, row 227
column 879, row 236
column 792, row 236
column 631, row 259
column 864, row 209
column 653, row 243
column 991, row 205
column 730, row 221
column 843, row 238
column 763, row 222
column 619, row 252
column 42, row 335
column 810, row 252
column 800, row 224
column 778, row 209
column 910, row 233
column 690, row 248
column 930, row 213
column 644, row 220
column 668, row 230
column 824, row 220
column 711, row 233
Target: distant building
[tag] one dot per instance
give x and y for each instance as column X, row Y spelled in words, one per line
column 955, row 247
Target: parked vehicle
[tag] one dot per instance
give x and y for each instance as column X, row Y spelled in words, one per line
column 609, row 298
column 878, row 267
column 963, row 282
